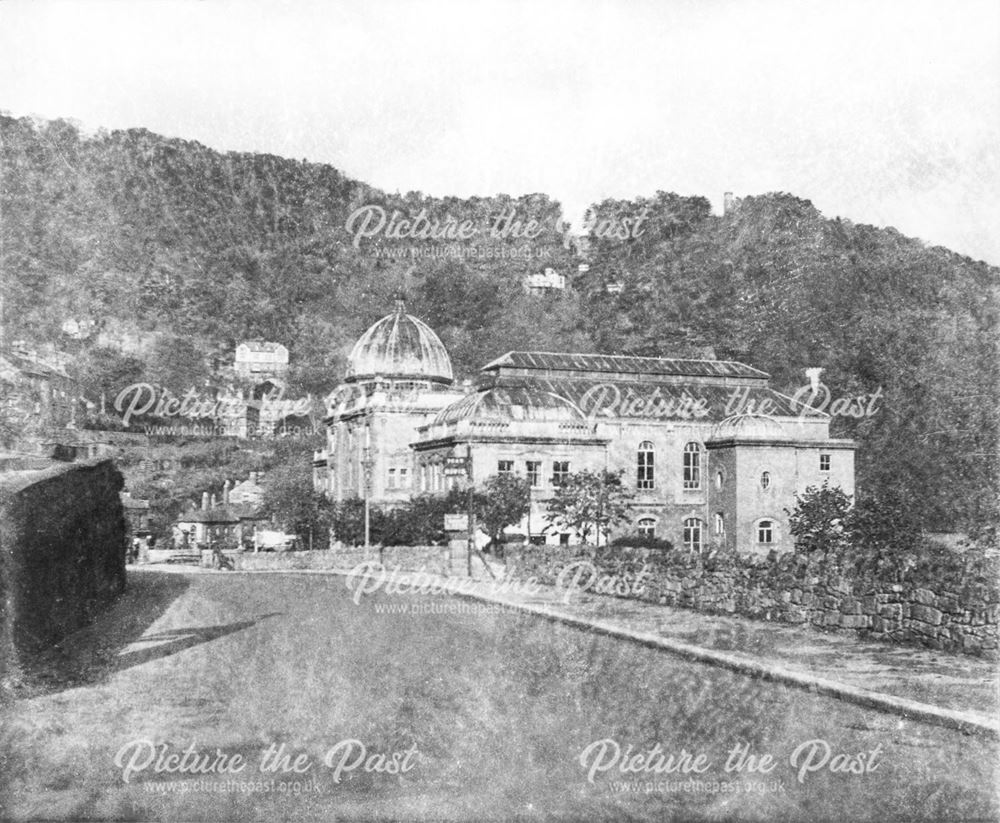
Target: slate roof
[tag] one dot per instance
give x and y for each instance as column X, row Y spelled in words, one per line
column 261, row 345
column 605, row 399
column 624, row 364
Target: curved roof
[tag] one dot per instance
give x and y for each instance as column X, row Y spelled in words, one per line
column 748, row 426
column 399, row 346
column 504, row 404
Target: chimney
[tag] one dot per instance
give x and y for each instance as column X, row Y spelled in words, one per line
column 225, row 492
column 813, row 375
column 204, row 501
column 215, row 502
column 728, row 202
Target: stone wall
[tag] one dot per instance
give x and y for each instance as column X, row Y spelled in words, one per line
column 265, row 561
column 433, row 559
column 958, row 614
column 62, row 553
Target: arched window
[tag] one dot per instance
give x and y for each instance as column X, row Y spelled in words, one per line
column 719, row 479
column 692, row 535
column 720, row 524
column 765, row 480
column 644, row 467
column 692, row 466
column 765, row 531
column 647, row 527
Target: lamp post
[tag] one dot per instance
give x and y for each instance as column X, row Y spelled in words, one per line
column 367, row 464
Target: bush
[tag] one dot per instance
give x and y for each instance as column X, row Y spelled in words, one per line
column 819, row 521
column 419, row 523
column 643, row 542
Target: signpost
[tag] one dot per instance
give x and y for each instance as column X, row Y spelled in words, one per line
column 457, row 467
column 456, row 522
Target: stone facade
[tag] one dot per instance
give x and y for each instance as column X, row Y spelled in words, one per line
column 713, row 455
column 399, row 377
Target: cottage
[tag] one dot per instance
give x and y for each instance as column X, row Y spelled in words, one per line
column 261, row 359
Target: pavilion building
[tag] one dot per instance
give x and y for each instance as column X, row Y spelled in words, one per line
column 712, row 453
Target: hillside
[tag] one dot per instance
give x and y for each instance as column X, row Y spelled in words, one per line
column 175, row 252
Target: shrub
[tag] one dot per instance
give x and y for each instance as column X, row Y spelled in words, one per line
column 643, row 542
column 818, row 521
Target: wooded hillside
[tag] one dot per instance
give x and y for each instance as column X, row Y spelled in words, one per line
column 176, row 252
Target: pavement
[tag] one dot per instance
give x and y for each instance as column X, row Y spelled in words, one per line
column 946, row 689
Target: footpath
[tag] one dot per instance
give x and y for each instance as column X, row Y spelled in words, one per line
column 953, row 690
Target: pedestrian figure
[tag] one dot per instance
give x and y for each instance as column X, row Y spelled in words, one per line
column 219, row 560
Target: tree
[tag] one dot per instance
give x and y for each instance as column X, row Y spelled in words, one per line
column 347, row 519
column 102, row 370
column 819, row 521
column 883, row 529
column 589, row 502
column 501, row 502
column 177, row 363
column 421, row 523
column 289, row 497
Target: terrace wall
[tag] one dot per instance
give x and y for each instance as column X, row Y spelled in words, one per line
column 954, row 612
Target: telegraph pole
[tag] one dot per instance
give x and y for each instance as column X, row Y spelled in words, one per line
column 469, row 509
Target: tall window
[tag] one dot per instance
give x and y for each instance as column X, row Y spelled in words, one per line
column 647, row 527
column 765, row 479
column 765, row 531
column 720, row 524
column 560, row 472
column 719, row 480
column 391, row 484
column 505, row 466
column 533, row 469
column 824, row 462
column 644, row 467
column 404, row 478
column 692, row 466
column 692, row 535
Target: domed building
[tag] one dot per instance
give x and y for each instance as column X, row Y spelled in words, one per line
column 712, row 454
column 398, row 378
column 400, row 348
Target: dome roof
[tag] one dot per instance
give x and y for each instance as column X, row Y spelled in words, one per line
column 504, row 404
column 399, row 346
column 748, row 426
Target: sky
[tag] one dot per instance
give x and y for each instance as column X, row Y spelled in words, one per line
column 884, row 112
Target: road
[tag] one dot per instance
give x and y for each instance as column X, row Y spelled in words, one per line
column 457, row 712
